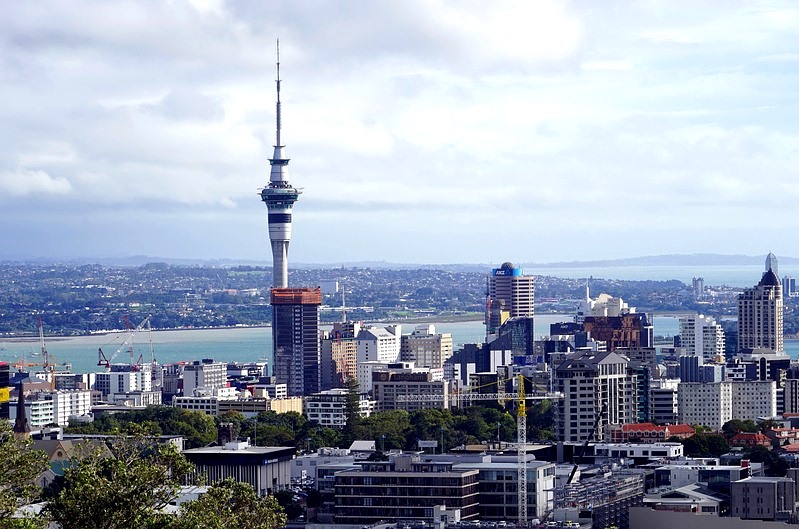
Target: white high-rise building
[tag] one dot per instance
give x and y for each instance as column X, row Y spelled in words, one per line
column 70, row 403
column 378, row 344
column 712, row 405
column 124, row 378
column 701, row 336
column 760, row 314
column 204, row 374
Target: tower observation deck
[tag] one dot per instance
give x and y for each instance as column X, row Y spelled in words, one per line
column 279, row 197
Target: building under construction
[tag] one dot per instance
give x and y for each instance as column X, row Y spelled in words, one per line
column 295, row 338
column 605, row 501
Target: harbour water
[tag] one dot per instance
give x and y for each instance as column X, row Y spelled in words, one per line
column 241, row 344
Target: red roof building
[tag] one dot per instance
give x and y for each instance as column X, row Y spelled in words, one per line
column 748, row 440
column 647, row 432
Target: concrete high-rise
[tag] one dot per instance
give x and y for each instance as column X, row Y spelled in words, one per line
column 509, row 294
column 279, row 197
column 295, row 339
column 760, row 313
column 592, row 382
column 702, row 336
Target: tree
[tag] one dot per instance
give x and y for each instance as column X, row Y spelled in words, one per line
column 19, row 467
column 230, row 504
column 773, row 463
column 126, row 487
column 286, row 501
column 736, row 426
column 705, row 444
column 352, row 409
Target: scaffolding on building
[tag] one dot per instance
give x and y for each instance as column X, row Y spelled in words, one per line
column 606, row 500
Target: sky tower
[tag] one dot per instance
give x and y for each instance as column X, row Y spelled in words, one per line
column 279, row 197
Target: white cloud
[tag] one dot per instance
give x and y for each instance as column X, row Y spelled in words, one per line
column 443, row 118
column 24, row 182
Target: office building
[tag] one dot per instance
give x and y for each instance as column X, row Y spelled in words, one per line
column 663, row 401
column 279, row 197
column 789, row 287
column 764, row 498
column 410, row 389
column 702, row 336
column 378, row 344
column 204, row 374
column 124, row 379
column 509, row 294
column 626, row 331
column 404, row 488
column 498, row 483
column 760, row 314
column 590, row 382
column 339, row 354
column 426, row 348
column 267, row 469
column 45, row 407
column 295, row 338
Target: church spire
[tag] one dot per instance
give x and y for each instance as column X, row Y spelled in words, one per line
column 21, row 426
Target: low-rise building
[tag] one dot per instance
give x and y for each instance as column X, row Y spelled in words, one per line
column 404, row 488
column 648, row 432
column 267, row 469
column 764, row 498
column 329, row 408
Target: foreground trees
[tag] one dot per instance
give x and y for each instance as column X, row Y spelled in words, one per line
column 132, row 484
column 19, row 467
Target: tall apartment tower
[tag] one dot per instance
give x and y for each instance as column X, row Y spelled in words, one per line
column 701, row 336
column 594, row 384
column 509, row 294
column 295, row 339
column 760, row 313
column 279, row 197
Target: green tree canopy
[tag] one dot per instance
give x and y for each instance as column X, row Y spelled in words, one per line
column 132, row 484
column 128, row 488
column 230, row 505
column 736, row 426
column 20, row 465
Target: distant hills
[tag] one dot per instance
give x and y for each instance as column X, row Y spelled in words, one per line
column 697, row 259
column 701, row 259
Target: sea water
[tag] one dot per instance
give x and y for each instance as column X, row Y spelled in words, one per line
column 244, row 344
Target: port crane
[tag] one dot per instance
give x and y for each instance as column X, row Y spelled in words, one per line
column 521, row 426
column 102, row 360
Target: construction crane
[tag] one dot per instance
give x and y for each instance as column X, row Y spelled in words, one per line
column 521, row 427
column 49, row 367
column 102, row 360
column 521, row 451
column 587, row 439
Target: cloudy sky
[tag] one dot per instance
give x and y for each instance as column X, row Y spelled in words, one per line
column 421, row 131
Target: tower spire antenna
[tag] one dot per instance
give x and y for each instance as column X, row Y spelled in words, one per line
column 277, row 82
